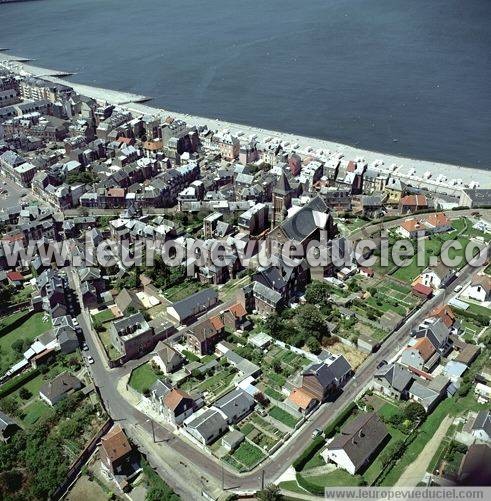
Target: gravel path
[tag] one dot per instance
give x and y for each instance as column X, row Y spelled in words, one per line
column 416, row 470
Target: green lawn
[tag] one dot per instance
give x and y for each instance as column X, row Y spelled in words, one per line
column 190, row 356
column 375, row 468
column 217, row 382
column 479, row 309
column 142, row 378
column 28, row 331
column 103, row 316
column 283, row 417
column 450, row 406
column 23, row 294
column 274, row 394
column 316, row 461
column 111, row 352
column 335, row 478
column 35, row 410
column 182, row 290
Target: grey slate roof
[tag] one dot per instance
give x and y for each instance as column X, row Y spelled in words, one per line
column 160, row 389
column 235, row 403
column 328, row 374
column 208, row 424
column 60, row 385
column 266, row 293
column 483, row 421
column 302, row 224
column 360, row 438
column 396, row 376
column 188, row 306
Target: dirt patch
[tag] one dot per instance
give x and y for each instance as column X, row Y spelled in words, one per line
column 85, row 489
column 352, row 355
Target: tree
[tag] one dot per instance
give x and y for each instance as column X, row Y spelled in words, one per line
column 270, row 493
column 6, row 293
column 24, row 393
column 414, row 411
column 9, row 406
column 317, row 293
column 310, row 320
column 313, row 345
column 98, row 325
column 18, row 345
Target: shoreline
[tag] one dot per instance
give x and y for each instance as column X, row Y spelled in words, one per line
column 408, row 169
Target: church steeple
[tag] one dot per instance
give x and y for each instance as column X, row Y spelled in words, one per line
column 282, row 195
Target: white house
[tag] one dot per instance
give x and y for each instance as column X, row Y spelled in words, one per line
column 437, row 276
column 480, row 288
column 481, row 429
column 358, row 443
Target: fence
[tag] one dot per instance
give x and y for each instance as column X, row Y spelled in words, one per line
column 77, row 465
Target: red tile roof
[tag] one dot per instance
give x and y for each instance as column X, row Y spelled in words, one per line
column 414, row 201
column 437, row 220
column 420, row 288
column 115, row 192
column 425, row 348
column 15, row 276
column 300, row 398
column 238, row 310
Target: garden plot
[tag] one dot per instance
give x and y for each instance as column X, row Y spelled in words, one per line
column 245, row 457
column 260, row 432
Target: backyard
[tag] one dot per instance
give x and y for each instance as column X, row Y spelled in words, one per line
column 283, row 417
column 245, row 457
column 143, row 377
column 17, row 338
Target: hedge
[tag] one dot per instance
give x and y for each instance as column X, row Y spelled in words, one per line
column 316, row 444
column 309, row 486
column 331, row 428
column 474, row 316
column 312, row 449
column 16, row 382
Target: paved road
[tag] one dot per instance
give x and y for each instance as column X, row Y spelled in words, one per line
column 192, row 464
column 371, row 229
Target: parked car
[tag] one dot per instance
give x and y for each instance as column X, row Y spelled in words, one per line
column 458, row 288
column 85, row 347
column 90, row 359
column 316, row 433
column 381, row 363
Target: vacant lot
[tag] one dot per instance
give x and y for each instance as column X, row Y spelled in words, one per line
column 142, row 378
column 105, row 337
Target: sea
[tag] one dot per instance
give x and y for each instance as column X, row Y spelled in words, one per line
column 410, row 78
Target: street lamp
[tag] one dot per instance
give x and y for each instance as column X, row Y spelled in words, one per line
column 153, row 429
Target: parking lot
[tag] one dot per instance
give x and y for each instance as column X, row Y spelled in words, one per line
column 11, row 193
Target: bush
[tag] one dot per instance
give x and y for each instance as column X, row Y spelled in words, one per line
column 17, row 382
column 24, row 393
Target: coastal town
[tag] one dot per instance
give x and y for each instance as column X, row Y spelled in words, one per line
column 265, row 376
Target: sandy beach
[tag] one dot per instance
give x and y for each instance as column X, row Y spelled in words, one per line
column 445, row 178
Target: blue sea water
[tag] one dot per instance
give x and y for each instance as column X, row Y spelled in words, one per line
column 405, row 77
